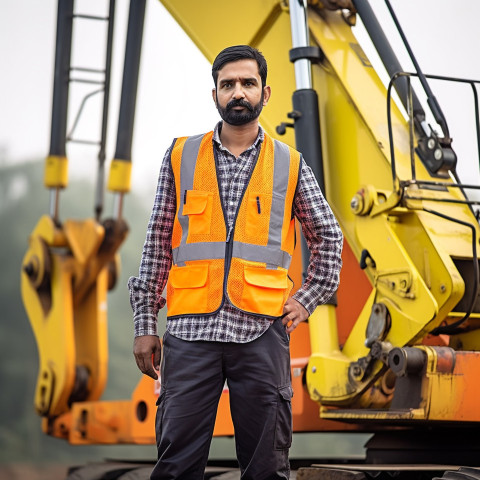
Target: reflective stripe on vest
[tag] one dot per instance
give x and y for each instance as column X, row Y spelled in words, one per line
column 251, row 259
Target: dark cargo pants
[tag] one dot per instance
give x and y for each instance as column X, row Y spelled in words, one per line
column 258, row 378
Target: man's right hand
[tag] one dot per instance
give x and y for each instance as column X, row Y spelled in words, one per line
column 143, row 349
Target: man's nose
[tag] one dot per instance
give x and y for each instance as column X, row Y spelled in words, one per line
column 238, row 91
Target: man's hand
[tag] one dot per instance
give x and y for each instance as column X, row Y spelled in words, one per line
column 143, row 349
column 294, row 313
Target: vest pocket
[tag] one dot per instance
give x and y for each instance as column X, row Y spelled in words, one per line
column 198, row 207
column 257, row 214
column 264, row 290
column 188, row 292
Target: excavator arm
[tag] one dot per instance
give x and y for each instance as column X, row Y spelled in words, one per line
column 72, row 264
column 410, row 262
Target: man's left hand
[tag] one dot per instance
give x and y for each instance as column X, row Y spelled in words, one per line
column 294, row 313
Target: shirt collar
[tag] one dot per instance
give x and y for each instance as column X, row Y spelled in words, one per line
column 218, row 129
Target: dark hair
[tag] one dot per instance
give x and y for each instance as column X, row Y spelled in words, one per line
column 240, row 52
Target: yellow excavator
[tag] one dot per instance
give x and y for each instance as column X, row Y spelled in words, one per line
column 397, row 351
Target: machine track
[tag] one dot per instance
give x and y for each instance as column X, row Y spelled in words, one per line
column 388, row 472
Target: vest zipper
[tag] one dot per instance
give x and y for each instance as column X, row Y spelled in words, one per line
column 228, row 260
column 229, row 234
column 229, row 239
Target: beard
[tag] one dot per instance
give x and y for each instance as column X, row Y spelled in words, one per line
column 235, row 117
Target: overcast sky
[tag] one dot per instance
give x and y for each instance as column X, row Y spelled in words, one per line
column 174, row 92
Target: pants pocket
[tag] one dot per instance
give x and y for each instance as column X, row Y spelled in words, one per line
column 281, row 330
column 283, row 424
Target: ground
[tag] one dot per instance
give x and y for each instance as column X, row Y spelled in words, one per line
column 33, row 472
column 59, row 472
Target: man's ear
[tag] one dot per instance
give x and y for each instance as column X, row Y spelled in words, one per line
column 214, row 95
column 267, row 92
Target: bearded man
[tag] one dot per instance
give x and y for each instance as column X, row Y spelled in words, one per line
column 220, row 238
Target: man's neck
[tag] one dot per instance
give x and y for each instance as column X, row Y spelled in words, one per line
column 238, row 138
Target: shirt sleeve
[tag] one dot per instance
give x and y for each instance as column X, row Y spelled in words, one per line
column 324, row 239
column 146, row 290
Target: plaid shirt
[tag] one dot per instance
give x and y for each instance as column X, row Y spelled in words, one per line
column 320, row 228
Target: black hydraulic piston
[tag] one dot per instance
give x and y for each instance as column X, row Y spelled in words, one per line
column 307, row 131
column 61, row 78
column 133, row 48
column 305, row 102
column 387, row 55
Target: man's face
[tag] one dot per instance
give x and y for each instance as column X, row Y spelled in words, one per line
column 239, row 95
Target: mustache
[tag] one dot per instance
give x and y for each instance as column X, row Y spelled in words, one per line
column 239, row 103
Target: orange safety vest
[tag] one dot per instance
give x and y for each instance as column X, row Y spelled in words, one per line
column 250, row 262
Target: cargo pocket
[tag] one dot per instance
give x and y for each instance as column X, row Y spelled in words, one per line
column 189, row 289
column 264, row 290
column 198, row 207
column 283, row 423
column 258, row 213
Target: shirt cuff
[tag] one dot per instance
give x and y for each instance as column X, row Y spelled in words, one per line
column 302, row 298
column 145, row 324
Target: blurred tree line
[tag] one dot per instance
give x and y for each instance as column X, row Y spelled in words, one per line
column 23, row 200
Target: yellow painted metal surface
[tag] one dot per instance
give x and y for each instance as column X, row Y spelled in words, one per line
column 56, row 172
column 119, row 179
column 447, row 393
column 51, row 323
column 64, row 284
column 415, row 276
column 327, row 366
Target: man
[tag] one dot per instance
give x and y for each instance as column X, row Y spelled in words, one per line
column 220, row 237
